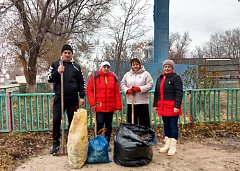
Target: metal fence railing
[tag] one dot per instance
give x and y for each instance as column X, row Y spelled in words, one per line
column 4, row 121
column 33, row 112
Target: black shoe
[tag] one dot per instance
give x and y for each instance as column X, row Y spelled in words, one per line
column 54, row 149
column 109, row 148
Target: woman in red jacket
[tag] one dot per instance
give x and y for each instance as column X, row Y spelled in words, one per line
column 167, row 103
column 104, row 97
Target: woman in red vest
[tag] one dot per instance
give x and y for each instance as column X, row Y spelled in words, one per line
column 167, row 103
column 107, row 98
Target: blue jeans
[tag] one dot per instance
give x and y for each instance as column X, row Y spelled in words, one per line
column 170, row 124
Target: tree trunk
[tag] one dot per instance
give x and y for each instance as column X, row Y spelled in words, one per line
column 117, row 67
column 31, row 70
column 31, row 81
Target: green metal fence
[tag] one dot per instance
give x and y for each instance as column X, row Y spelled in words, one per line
column 215, row 105
column 33, row 112
column 4, row 121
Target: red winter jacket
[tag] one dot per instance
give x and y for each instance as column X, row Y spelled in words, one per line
column 108, row 98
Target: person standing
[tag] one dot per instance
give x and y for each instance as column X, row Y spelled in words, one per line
column 167, row 103
column 104, row 98
column 137, row 82
column 74, row 86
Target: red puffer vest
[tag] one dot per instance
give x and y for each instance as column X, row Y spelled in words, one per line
column 108, row 98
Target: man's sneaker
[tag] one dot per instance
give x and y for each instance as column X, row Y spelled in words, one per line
column 54, row 149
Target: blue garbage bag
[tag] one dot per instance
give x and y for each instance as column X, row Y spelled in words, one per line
column 98, row 150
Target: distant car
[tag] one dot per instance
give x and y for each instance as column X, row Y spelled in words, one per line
column 11, row 82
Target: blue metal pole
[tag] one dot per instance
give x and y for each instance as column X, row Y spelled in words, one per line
column 161, row 30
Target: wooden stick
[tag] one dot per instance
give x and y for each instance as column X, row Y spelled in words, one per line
column 94, row 95
column 62, row 109
column 133, row 109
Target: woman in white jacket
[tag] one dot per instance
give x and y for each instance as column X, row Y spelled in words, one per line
column 137, row 82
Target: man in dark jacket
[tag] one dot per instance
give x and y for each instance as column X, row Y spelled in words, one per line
column 74, row 86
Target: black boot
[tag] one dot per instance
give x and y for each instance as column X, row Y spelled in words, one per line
column 55, row 147
column 108, row 140
column 109, row 148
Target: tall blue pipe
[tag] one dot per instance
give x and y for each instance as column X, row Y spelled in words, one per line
column 161, row 30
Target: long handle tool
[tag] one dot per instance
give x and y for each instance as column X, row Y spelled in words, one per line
column 62, row 109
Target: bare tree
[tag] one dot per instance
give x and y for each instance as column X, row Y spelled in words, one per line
column 216, row 46
column 197, row 52
column 5, row 54
column 126, row 27
column 3, row 61
column 221, row 45
column 181, row 46
column 178, row 45
column 142, row 50
column 173, row 37
column 231, row 41
column 38, row 20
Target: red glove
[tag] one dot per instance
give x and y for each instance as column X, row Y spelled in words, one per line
column 93, row 108
column 136, row 89
column 129, row 91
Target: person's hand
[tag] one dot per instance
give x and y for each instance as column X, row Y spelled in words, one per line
column 136, row 89
column 93, row 108
column 61, row 69
column 176, row 110
column 155, row 109
column 81, row 102
column 129, row 91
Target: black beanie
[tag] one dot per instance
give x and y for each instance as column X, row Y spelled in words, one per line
column 66, row 47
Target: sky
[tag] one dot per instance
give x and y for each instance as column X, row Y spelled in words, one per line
column 200, row 18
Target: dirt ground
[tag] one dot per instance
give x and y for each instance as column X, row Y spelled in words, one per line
column 208, row 154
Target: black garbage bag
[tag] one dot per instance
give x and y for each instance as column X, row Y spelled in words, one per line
column 133, row 145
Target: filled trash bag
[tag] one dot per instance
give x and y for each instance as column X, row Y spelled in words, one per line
column 78, row 140
column 133, row 145
column 98, row 150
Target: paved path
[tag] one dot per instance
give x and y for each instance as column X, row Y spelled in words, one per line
column 191, row 156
